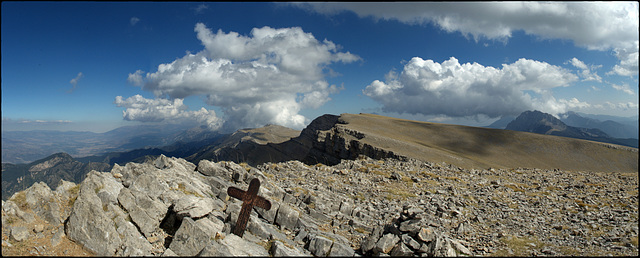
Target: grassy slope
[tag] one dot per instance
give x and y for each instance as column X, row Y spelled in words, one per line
column 475, row 147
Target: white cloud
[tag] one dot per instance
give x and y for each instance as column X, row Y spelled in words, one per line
column 200, row 8
column 585, row 72
column 622, row 105
column 628, row 65
column 142, row 109
column 74, row 82
column 267, row 77
column 6, row 120
column 136, row 78
column 624, row 88
column 592, row 25
column 458, row 90
column 134, row 20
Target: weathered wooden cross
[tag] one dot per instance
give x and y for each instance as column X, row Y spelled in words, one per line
column 249, row 199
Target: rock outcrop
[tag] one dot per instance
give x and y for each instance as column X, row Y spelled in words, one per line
column 169, row 207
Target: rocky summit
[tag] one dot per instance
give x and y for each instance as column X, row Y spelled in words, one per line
column 171, row 207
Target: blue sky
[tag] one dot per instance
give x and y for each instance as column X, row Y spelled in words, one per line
column 95, row 66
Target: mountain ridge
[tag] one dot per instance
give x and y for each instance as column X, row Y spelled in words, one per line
column 544, row 123
column 329, row 139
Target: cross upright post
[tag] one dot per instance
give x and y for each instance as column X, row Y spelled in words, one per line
column 249, row 199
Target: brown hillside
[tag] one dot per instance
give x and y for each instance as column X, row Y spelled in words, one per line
column 475, row 147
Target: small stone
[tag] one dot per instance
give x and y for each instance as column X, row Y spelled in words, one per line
column 38, row 228
column 410, row 226
column 386, row 243
column 410, row 242
column 401, row 250
column 168, row 253
column 342, row 250
column 320, row 245
column 279, row 249
column 57, row 237
column 426, row 235
column 461, row 248
column 19, row 233
column 6, row 243
column 287, row 217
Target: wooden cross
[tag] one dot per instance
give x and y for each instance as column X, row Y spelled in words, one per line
column 249, row 199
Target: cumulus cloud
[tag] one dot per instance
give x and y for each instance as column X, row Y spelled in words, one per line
column 136, row 78
column 266, row 77
column 592, row 25
column 142, row 109
column 458, row 90
column 134, row 20
column 585, row 71
column 628, row 65
column 74, row 82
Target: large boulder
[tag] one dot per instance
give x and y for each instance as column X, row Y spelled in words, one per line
column 193, row 236
column 146, row 212
column 41, row 200
column 88, row 223
column 100, row 225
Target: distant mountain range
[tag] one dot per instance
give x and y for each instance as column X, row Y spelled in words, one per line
column 17, row 177
column 614, row 126
column 27, row 146
column 622, row 128
column 543, row 123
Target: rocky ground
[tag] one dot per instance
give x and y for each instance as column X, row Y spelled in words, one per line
column 169, row 206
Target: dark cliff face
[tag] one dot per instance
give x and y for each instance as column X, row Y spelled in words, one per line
column 324, row 140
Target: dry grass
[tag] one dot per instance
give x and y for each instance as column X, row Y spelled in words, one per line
column 521, row 246
column 66, row 247
column 475, row 147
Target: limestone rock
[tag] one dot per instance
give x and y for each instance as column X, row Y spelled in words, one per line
column 57, row 237
column 194, row 207
column 320, row 245
column 386, row 243
column 209, row 168
column 401, row 250
column 370, row 242
column 287, row 217
column 341, row 250
column 44, row 203
column 19, row 233
column 193, row 236
column 232, row 245
column 147, row 213
column 280, row 249
column 88, row 223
